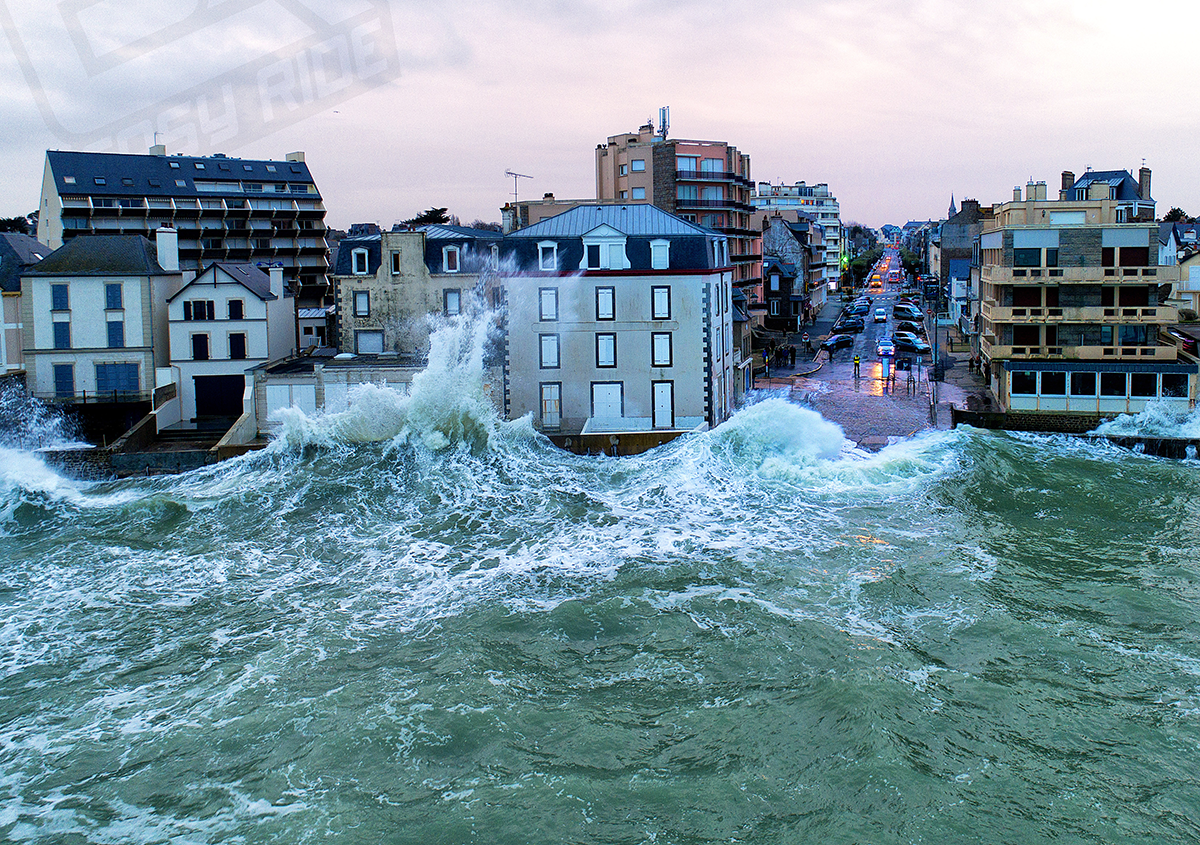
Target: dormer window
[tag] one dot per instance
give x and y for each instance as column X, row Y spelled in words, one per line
column 548, row 255
column 604, row 249
column 358, row 262
column 660, row 254
column 450, row 259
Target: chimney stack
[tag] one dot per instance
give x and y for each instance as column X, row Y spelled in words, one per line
column 166, row 245
column 1016, row 193
column 1144, row 183
column 276, row 273
column 1068, row 182
column 158, row 150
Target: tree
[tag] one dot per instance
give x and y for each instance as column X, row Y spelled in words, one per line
column 1176, row 215
column 429, row 217
column 14, row 224
column 487, row 227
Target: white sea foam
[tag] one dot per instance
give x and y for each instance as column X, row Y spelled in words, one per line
column 1159, row 419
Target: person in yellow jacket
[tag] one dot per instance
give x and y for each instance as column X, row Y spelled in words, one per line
column 856, row 366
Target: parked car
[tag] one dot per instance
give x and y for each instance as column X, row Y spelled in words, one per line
column 910, row 344
column 880, row 315
column 885, row 347
column 836, row 341
column 857, row 309
column 849, row 324
column 906, row 314
column 911, row 328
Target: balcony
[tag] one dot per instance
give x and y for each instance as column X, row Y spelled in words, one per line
column 1077, row 353
column 1086, row 314
column 999, row 275
column 706, row 176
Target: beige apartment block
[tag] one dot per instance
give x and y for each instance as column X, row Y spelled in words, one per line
column 1074, row 304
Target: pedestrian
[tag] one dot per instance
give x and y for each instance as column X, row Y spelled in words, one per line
column 856, row 366
column 791, row 356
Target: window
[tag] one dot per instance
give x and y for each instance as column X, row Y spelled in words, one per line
column 773, row 304
column 1083, row 384
column 1031, row 257
column 174, row 165
column 687, row 164
column 687, row 192
column 237, row 346
column 775, row 281
column 368, row 342
column 112, row 296
column 638, row 193
column 69, row 180
column 270, row 168
column 606, row 350
column 551, row 405
column 180, row 183
column 362, row 303
column 593, row 256
column 450, row 259
column 100, row 180
column 1112, row 384
column 199, row 165
column 606, row 303
column 237, row 309
column 660, row 298
column 638, row 165
column 1054, row 384
column 117, row 378
column 1143, row 384
column 452, row 302
column 64, row 381
column 199, row 309
column 547, row 303
column 660, row 349
column 62, row 335
column 1051, row 257
column 199, row 347
column 1023, row 383
column 548, row 346
column 358, row 261
column 396, row 263
column 712, row 165
column 58, row 298
column 624, row 195
column 116, row 334
column 548, row 256
column 624, row 170
column 1174, row 385
column 660, row 254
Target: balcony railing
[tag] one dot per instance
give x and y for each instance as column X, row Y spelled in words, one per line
column 1083, row 314
column 1161, row 352
column 997, row 274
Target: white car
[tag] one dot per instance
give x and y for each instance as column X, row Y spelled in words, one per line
column 885, row 347
column 880, row 315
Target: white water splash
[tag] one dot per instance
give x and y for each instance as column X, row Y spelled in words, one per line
column 1159, row 419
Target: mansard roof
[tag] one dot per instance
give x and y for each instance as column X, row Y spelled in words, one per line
column 126, row 174
column 634, row 220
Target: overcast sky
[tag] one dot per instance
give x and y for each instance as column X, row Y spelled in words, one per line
column 403, row 105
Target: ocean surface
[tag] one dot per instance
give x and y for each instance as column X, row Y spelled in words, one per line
column 416, row 623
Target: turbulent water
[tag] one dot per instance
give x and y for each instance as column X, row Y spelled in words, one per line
column 415, row 623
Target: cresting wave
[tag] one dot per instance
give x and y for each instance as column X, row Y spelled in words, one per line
column 1157, row 420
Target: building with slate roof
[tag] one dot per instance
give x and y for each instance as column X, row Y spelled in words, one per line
column 17, row 253
column 388, row 284
column 1075, row 304
column 619, row 320
column 94, row 313
column 800, row 243
column 224, row 209
column 230, row 318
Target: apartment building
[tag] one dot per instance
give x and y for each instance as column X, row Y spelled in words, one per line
column 224, row 209
column 819, row 204
column 1074, row 301
column 794, row 248
column 704, row 182
column 620, row 320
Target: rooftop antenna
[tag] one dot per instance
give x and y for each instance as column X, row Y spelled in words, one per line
column 664, row 121
column 515, row 176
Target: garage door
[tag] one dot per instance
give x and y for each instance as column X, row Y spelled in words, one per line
column 219, row 396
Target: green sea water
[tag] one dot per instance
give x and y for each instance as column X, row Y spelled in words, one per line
column 448, row 631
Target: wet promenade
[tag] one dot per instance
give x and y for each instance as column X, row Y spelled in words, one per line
column 871, row 410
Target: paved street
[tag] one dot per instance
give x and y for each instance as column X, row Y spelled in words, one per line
column 870, row 410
